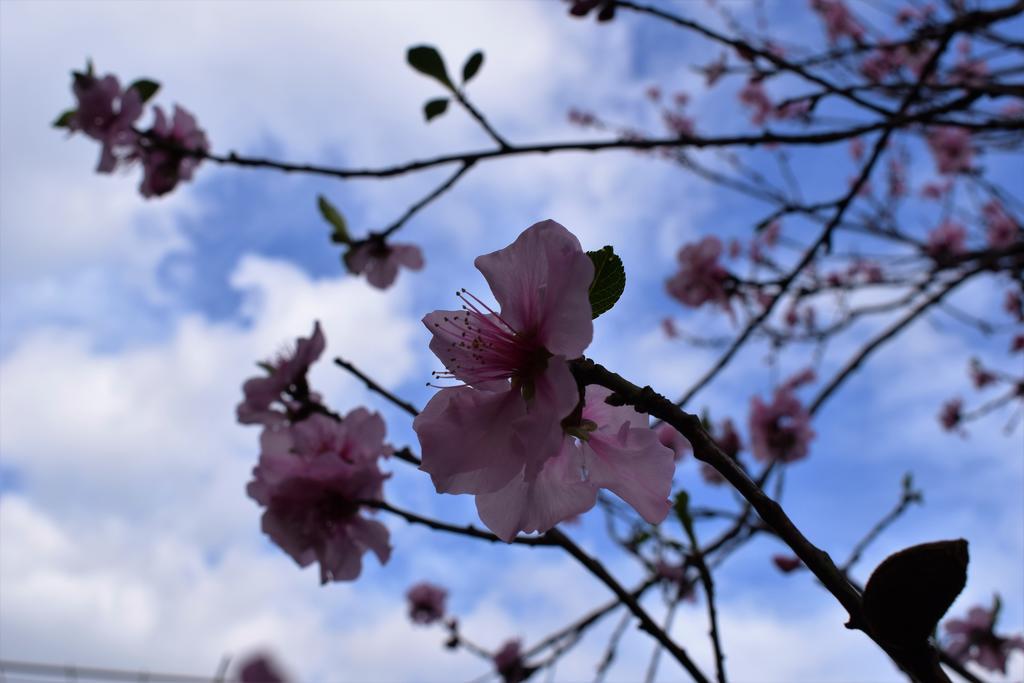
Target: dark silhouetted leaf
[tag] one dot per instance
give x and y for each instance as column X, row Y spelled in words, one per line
column 434, row 108
column 427, row 60
column 472, row 65
column 64, row 120
column 609, row 280
column 334, row 217
column 910, row 590
column 146, row 88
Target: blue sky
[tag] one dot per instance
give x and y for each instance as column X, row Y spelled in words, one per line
column 128, row 326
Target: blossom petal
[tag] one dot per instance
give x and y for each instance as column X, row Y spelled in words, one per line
column 542, row 281
column 556, row 494
column 634, row 465
column 469, row 439
column 555, row 395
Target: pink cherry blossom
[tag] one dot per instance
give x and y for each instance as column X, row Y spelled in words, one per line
column 946, row 241
column 106, row 113
column 787, row 563
column 701, row 278
column 1002, row 231
column 838, row 20
column 509, row 662
column 753, row 95
column 380, row 261
column 672, row 439
column 505, row 421
column 951, row 414
column 426, row 603
column 780, row 430
column 1017, row 345
column 974, row 640
column 163, row 161
column 286, row 372
column 313, row 477
column 728, row 439
column 260, row 668
column 952, row 149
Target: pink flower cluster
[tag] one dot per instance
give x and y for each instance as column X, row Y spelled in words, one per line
column 781, row 430
column 316, row 471
column 169, row 151
column 701, row 278
column 514, row 431
column 974, row 640
column 1002, row 231
column 952, row 148
column 946, row 241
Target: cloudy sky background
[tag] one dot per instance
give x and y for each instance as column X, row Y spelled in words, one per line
column 128, row 326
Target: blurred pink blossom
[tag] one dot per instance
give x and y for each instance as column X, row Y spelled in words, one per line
column 701, row 278
column 974, row 640
column 380, row 261
column 426, row 603
column 780, row 430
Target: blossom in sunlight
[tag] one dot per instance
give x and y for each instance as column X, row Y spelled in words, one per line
column 838, row 20
column 503, row 423
column 946, row 241
column 1000, row 229
column 974, row 639
column 509, row 662
column 313, row 477
column 380, row 261
column 164, row 151
column 951, row 414
column 701, row 278
column 287, row 373
column 106, row 113
column 952, row 149
column 260, row 668
column 426, row 603
column 672, row 439
column 780, row 430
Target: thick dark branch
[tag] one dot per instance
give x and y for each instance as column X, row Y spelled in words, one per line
column 706, row 450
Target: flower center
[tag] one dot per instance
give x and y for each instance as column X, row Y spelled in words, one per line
column 484, row 347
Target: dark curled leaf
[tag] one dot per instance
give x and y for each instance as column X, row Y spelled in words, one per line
column 427, row 60
column 64, row 120
column 910, row 590
column 609, row 280
column 434, row 108
column 472, row 65
column 146, row 88
column 333, row 216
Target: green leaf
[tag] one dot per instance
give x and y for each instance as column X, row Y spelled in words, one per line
column 334, row 217
column 910, row 590
column 681, row 506
column 434, row 108
column 427, row 60
column 64, row 120
column 609, row 280
column 146, row 88
column 471, row 66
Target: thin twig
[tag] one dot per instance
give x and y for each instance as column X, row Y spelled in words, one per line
column 373, row 386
